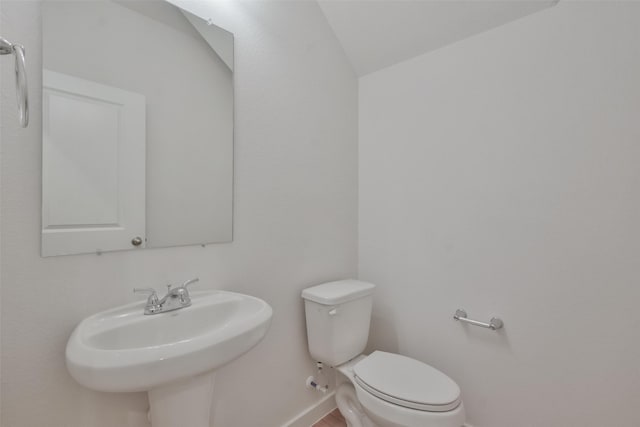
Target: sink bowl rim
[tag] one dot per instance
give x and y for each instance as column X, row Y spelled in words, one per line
column 86, row 362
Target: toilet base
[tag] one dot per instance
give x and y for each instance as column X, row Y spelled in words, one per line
column 350, row 407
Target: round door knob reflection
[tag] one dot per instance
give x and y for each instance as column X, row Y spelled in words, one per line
column 136, row 241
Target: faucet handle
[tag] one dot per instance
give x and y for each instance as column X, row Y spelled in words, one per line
column 153, row 296
column 190, row 282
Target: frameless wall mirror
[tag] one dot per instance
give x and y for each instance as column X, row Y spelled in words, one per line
column 137, row 127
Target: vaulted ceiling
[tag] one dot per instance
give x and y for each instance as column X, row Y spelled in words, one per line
column 378, row 33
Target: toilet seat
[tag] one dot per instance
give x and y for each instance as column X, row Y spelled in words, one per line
column 406, row 382
column 385, row 414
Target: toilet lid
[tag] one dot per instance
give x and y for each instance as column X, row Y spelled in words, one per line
column 407, row 382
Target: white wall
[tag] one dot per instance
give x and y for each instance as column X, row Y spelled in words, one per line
column 294, row 218
column 3, row 88
column 500, row 175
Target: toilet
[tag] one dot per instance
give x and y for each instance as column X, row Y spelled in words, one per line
column 381, row 389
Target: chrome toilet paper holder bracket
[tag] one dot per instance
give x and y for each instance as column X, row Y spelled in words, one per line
column 494, row 324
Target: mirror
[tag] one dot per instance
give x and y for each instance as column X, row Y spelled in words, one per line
column 137, row 127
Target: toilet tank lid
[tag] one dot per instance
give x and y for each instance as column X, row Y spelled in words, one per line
column 337, row 292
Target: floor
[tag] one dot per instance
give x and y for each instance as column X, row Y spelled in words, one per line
column 332, row 419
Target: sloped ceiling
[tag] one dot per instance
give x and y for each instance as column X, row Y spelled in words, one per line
column 378, row 33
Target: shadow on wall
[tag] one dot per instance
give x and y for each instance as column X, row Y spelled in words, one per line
column 383, row 334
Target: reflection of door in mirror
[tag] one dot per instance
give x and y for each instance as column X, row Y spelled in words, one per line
column 93, row 139
column 182, row 69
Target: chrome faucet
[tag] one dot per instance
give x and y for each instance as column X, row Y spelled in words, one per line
column 175, row 298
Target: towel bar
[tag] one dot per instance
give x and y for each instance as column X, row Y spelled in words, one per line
column 17, row 50
column 494, row 324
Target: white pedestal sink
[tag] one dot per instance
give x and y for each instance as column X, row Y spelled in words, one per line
column 173, row 356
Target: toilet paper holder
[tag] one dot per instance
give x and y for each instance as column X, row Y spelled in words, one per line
column 494, row 324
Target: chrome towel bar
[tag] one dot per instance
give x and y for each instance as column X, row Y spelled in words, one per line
column 494, row 324
column 6, row 48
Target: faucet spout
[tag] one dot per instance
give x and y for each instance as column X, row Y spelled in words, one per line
column 190, row 282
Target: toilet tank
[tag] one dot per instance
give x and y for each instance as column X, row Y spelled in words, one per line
column 338, row 317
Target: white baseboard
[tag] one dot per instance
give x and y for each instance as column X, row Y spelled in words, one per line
column 314, row 412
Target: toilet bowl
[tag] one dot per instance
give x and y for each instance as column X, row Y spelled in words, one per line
column 350, row 407
column 382, row 389
column 436, row 403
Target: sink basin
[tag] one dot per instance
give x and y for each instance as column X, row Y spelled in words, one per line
column 124, row 350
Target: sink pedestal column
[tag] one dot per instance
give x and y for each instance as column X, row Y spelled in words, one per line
column 183, row 403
